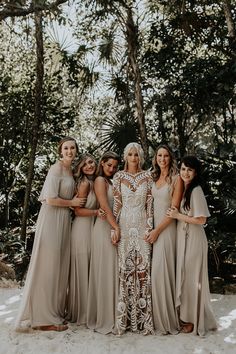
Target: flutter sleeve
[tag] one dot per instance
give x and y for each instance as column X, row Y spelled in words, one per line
column 198, row 203
column 117, row 196
column 51, row 185
column 149, row 205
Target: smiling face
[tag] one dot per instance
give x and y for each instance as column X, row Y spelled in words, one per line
column 163, row 158
column 89, row 167
column 68, row 151
column 133, row 158
column 109, row 167
column 187, row 173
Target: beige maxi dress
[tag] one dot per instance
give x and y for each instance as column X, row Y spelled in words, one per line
column 44, row 294
column 103, row 279
column 163, row 265
column 192, row 287
column 80, row 263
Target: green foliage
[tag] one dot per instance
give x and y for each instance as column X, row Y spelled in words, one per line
column 118, row 131
column 188, row 83
column 15, row 251
column 220, row 188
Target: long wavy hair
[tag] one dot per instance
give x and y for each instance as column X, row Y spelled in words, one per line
column 156, row 171
column 191, row 162
column 78, row 173
column 140, row 152
column 104, row 158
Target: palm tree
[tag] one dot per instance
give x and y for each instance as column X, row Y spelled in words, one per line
column 123, row 14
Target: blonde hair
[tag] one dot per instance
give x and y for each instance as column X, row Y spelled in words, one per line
column 78, row 169
column 139, row 150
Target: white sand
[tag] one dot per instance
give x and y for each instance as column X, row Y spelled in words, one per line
column 79, row 340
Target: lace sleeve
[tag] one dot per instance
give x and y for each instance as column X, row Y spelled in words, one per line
column 149, row 205
column 117, row 196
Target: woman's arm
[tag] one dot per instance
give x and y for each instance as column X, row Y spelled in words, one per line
column 59, row 202
column 175, row 214
column 199, row 209
column 117, row 197
column 82, row 192
column 149, row 208
column 100, row 188
column 175, row 202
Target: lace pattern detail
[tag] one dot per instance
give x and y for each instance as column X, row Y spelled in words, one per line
column 134, row 213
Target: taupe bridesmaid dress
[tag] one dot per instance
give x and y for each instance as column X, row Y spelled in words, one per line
column 80, row 263
column 163, row 265
column 103, row 279
column 192, row 286
column 44, row 294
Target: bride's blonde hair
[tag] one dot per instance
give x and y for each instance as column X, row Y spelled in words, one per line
column 139, row 150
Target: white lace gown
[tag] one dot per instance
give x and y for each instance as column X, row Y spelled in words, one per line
column 133, row 211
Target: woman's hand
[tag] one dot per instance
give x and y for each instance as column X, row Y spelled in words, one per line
column 101, row 214
column 152, row 236
column 115, row 236
column 172, row 212
column 78, row 202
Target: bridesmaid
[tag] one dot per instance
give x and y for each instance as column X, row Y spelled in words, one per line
column 102, row 295
column 43, row 302
column 167, row 191
column 81, row 240
column 192, row 287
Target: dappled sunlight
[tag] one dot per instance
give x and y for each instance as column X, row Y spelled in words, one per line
column 13, row 299
column 226, row 321
column 230, row 339
column 9, row 308
column 215, row 299
column 9, row 319
column 3, row 313
column 198, row 351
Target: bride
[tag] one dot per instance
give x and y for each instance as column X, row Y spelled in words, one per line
column 133, row 212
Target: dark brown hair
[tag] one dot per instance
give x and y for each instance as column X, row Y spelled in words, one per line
column 105, row 157
column 195, row 164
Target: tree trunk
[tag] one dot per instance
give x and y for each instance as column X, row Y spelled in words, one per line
column 132, row 41
column 37, row 118
column 182, row 137
column 230, row 24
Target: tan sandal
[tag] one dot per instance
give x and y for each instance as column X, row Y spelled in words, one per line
column 187, row 328
column 57, row 328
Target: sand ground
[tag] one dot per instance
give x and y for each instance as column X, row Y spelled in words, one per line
column 79, row 340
